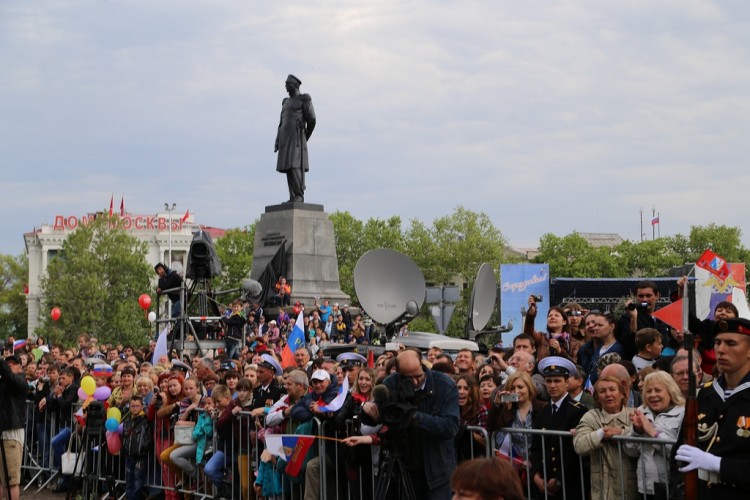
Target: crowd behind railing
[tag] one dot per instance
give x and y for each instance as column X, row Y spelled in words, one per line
column 581, row 409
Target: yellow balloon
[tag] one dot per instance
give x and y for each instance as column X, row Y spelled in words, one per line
column 88, row 384
column 114, row 413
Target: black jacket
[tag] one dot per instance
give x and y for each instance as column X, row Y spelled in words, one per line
column 724, row 420
column 171, row 280
column 13, row 391
column 63, row 405
column 548, row 455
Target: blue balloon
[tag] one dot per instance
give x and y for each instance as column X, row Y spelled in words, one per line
column 111, row 425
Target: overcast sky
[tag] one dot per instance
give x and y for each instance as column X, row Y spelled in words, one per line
column 548, row 116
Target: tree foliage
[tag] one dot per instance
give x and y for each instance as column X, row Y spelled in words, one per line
column 96, row 280
column 572, row 256
column 724, row 240
column 235, row 251
column 14, row 272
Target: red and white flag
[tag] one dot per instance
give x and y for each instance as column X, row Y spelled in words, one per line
column 714, row 264
column 185, row 217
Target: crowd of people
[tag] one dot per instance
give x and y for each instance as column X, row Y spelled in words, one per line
column 416, row 415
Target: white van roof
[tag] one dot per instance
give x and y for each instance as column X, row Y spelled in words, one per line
column 426, row 340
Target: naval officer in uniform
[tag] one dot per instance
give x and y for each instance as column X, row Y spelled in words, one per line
column 553, row 458
column 722, row 456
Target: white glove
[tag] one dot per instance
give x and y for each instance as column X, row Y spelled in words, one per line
column 697, row 459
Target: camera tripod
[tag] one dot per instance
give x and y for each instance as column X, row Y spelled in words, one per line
column 393, row 463
column 89, row 475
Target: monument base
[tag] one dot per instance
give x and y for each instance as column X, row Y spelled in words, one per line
column 312, row 266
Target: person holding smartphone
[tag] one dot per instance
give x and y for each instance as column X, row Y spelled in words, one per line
column 514, row 405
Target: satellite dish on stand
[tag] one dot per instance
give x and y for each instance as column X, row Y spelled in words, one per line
column 390, row 287
column 481, row 307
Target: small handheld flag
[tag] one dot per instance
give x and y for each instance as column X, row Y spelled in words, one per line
column 292, row 448
column 337, row 402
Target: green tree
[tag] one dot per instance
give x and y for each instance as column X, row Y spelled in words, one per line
column 724, row 240
column 354, row 239
column 648, row 258
column 347, row 230
column 573, row 256
column 451, row 251
column 96, row 281
column 14, row 272
column 235, row 251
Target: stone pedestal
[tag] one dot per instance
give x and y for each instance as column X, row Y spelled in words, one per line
column 312, row 265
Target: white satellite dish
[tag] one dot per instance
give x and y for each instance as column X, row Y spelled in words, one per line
column 388, row 285
column 483, row 298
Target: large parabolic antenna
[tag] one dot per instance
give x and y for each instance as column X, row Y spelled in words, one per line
column 388, row 285
column 483, row 297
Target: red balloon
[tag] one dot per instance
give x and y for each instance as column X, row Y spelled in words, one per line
column 55, row 313
column 144, row 301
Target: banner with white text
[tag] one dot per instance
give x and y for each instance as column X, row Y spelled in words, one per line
column 517, row 282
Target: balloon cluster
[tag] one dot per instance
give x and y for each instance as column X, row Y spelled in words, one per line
column 114, row 430
column 89, row 392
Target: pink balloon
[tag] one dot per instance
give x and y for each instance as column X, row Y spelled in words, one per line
column 113, row 443
column 82, row 394
column 102, row 393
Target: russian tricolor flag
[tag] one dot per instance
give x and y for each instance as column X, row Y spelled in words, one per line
column 102, row 371
column 19, row 344
column 296, row 340
column 291, row 448
column 338, row 401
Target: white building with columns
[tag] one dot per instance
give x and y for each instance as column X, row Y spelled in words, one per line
column 165, row 233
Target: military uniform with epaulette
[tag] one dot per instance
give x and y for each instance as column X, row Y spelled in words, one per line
column 723, row 463
column 555, row 456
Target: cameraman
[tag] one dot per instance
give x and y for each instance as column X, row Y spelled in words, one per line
column 639, row 315
column 429, row 454
column 13, row 390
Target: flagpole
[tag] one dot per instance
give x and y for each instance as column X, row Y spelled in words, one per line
column 169, row 212
column 691, row 404
column 641, row 224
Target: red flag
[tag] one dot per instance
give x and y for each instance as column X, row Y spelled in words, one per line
column 370, row 359
column 122, row 207
column 671, row 314
column 185, row 217
column 111, row 205
column 714, row 264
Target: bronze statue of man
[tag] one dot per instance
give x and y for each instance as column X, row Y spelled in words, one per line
column 295, row 128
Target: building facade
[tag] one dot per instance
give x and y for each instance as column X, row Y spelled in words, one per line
column 167, row 235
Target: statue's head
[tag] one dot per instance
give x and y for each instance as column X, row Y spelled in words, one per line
column 293, row 82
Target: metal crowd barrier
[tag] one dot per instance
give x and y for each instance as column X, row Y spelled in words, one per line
column 628, row 448
column 333, row 473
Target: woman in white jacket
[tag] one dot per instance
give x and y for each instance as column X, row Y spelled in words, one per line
column 660, row 417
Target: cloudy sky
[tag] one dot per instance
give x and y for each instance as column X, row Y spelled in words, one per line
column 548, row 116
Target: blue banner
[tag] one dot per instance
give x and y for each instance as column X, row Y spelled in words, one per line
column 517, row 282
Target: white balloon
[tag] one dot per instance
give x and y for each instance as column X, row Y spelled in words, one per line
column 152, row 316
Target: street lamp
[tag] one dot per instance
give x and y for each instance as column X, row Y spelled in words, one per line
column 169, row 211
